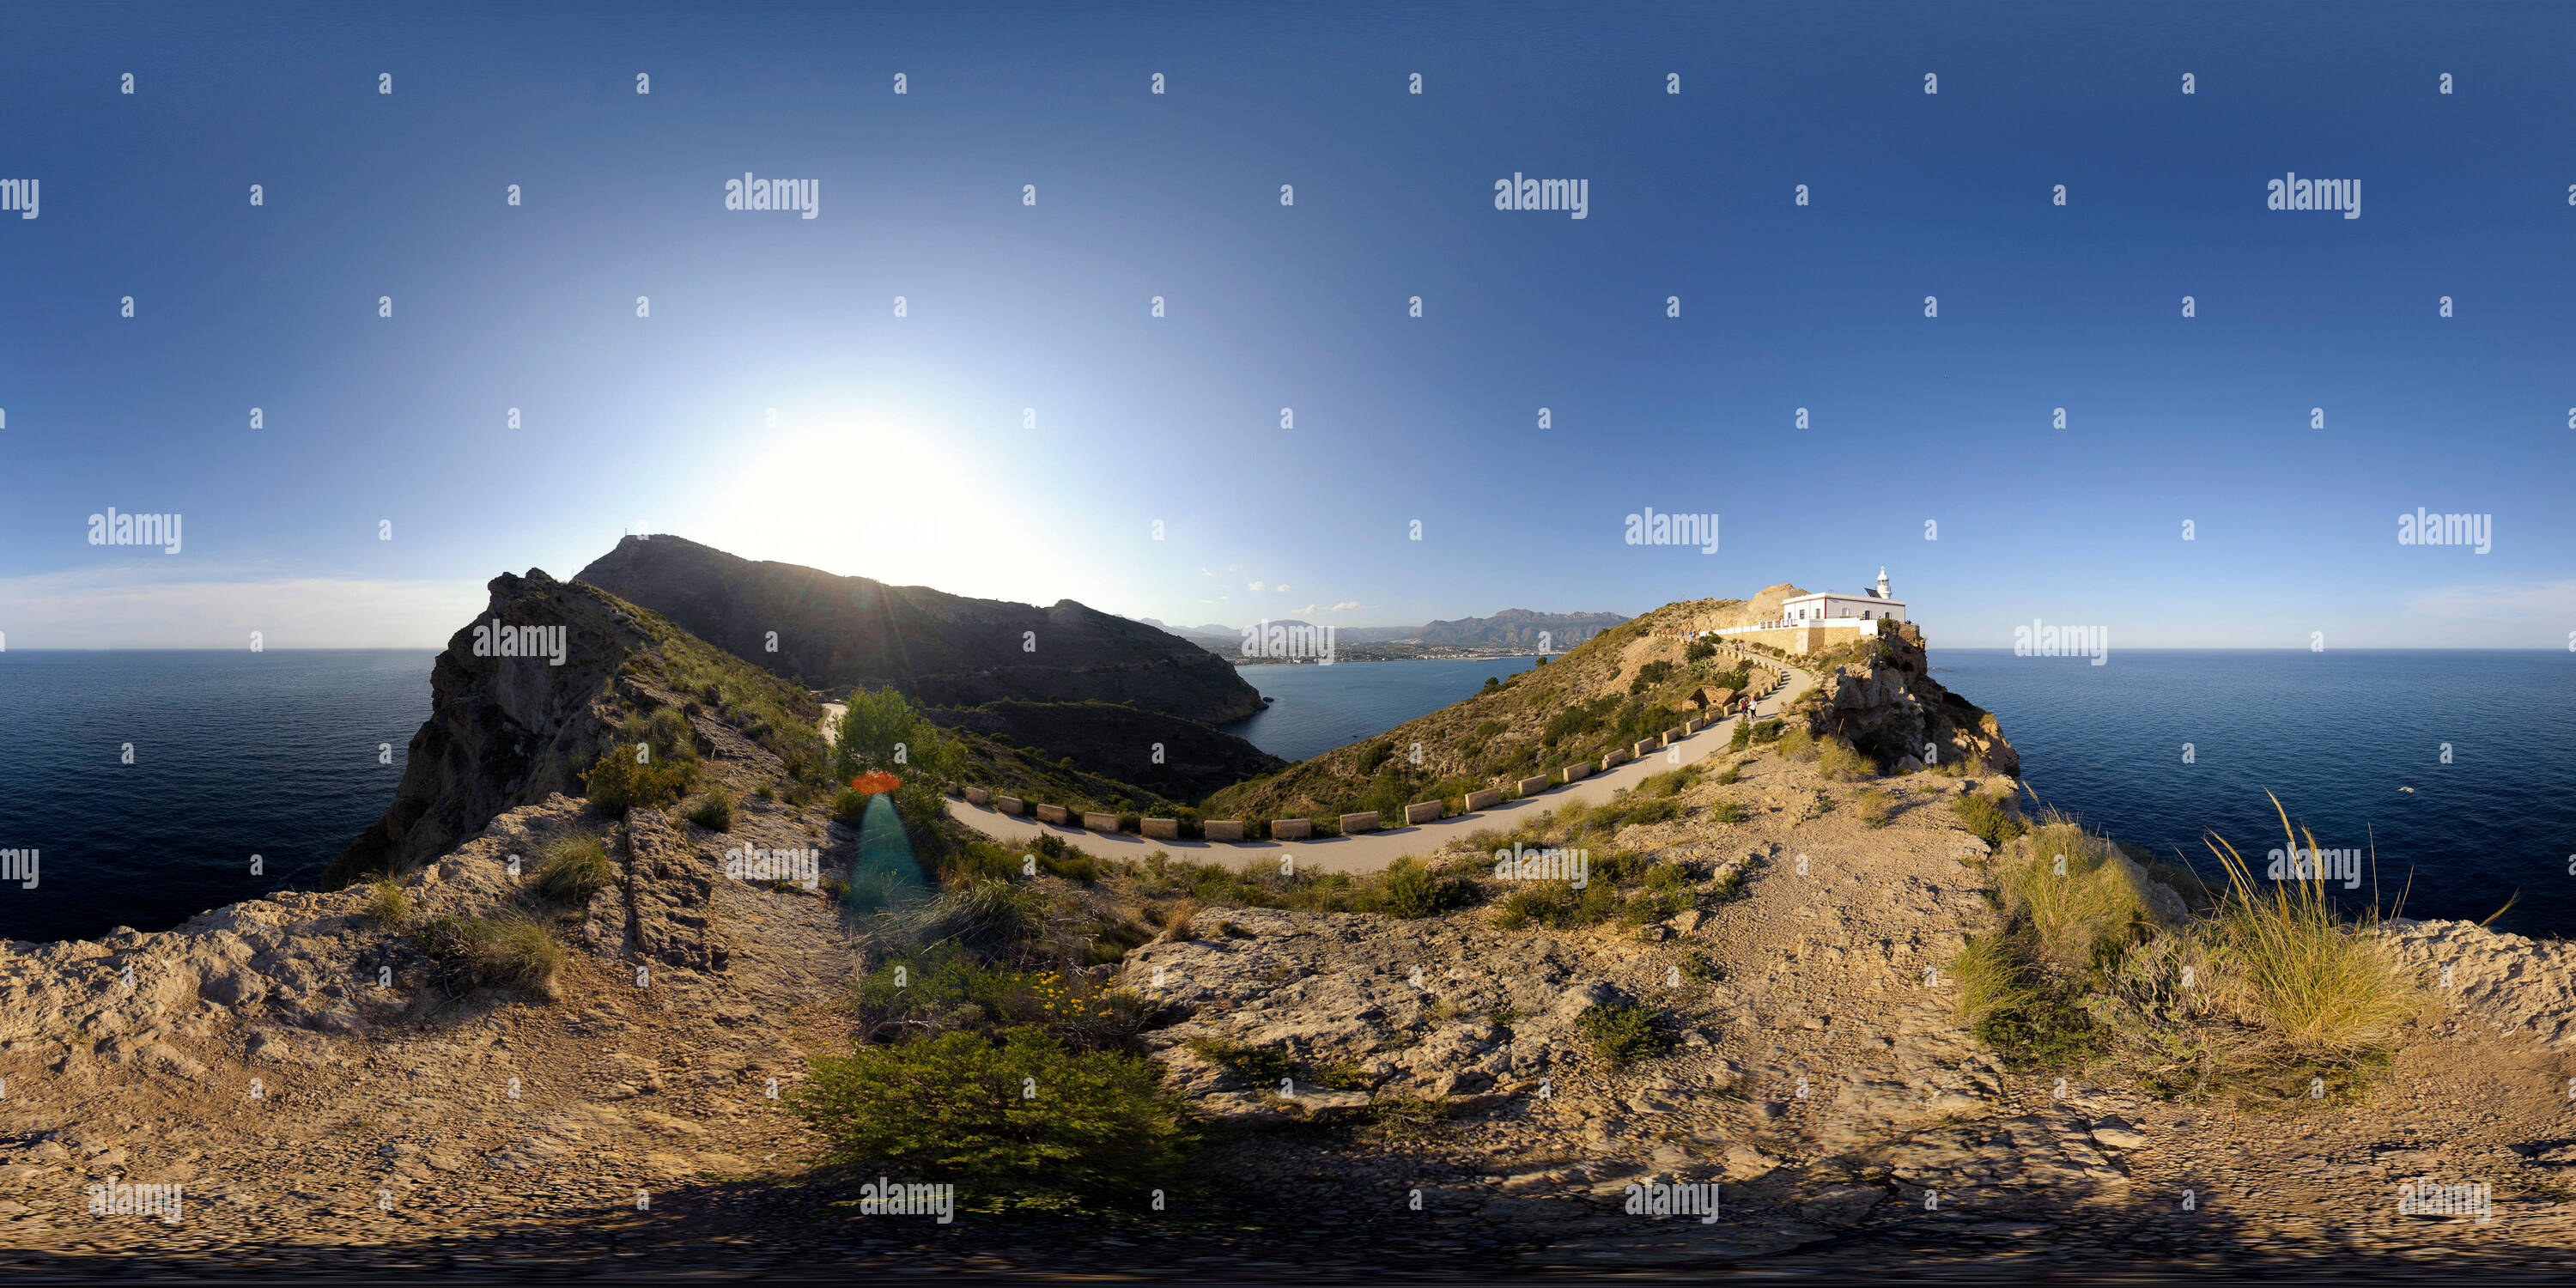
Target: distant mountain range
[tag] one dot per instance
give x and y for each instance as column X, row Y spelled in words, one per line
column 1511, row 628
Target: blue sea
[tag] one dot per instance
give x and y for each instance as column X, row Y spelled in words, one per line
column 235, row 753
column 2487, row 740
column 1314, row 709
column 275, row 754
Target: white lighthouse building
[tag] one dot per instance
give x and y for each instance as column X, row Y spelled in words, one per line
column 1869, row 605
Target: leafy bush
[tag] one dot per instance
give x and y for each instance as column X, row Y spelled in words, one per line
column 507, row 950
column 714, row 810
column 1101, row 1130
column 2025, row 1015
column 881, row 730
column 1743, row 736
column 945, row 989
column 1410, row 890
column 1767, row 731
column 1987, row 817
column 1374, row 755
column 574, row 868
column 386, row 903
column 1700, row 650
column 1261, row 1066
column 1621, row 1033
column 1650, row 675
column 616, row 783
column 1727, row 812
column 1730, row 775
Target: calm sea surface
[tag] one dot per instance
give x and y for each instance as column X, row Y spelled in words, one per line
column 275, row 754
column 2335, row 735
column 1317, row 708
column 235, row 753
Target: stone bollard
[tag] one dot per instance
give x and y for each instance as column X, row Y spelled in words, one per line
column 978, row 796
column 1100, row 822
column 1532, row 786
column 1364, row 821
column 1291, row 829
column 1613, row 760
column 1054, row 814
column 1010, row 804
column 1424, row 812
column 1223, row 829
column 1486, row 799
column 1579, row 771
column 1643, row 749
column 1161, row 829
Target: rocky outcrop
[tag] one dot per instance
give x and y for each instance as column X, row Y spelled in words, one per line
column 1888, row 704
column 504, row 731
column 943, row 650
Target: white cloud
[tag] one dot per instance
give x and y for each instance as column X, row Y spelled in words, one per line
column 1256, row 585
column 136, row 606
column 1283, row 588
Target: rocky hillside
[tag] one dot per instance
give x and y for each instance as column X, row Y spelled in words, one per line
column 1166, row 756
column 511, row 731
column 834, row 632
column 1628, row 683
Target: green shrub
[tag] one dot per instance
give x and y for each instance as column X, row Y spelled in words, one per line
column 1700, row 650
column 1653, row 811
column 1264, row 1067
column 1743, row 736
column 1374, row 755
column 1730, row 775
column 2324, row 987
column 1727, row 812
column 386, row 904
column 1100, row 1132
column 616, row 783
column 574, row 868
column 1650, row 675
column 1988, row 818
column 1410, row 890
column 714, row 810
column 1621, row 1033
column 1767, row 731
column 506, row 950
column 2025, row 1015
column 944, row 988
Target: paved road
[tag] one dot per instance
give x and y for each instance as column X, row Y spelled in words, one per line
column 1371, row 851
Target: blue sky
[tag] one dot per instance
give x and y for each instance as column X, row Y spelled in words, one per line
column 900, row 450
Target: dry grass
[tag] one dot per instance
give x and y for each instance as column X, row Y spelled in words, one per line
column 386, row 904
column 574, row 869
column 2085, row 906
column 2325, row 986
column 1837, row 761
column 1872, row 807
